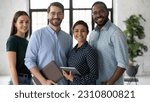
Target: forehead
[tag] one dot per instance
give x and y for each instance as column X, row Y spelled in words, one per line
column 55, row 8
column 79, row 26
column 98, row 7
column 23, row 17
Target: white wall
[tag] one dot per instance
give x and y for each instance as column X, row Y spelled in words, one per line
column 122, row 10
column 7, row 10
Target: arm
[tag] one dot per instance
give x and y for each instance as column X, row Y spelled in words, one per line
column 92, row 61
column 117, row 74
column 91, row 76
column 121, row 55
column 11, row 56
column 31, row 58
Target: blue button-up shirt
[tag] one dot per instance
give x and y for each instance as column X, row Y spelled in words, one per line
column 112, row 50
column 46, row 45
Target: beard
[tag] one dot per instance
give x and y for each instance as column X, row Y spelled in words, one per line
column 101, row 21
column 55, row 22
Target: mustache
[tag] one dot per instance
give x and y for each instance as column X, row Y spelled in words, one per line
column 55, row 19
column 99, row 17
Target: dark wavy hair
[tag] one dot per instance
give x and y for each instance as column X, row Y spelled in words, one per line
column 81, row 22
column 16, row 16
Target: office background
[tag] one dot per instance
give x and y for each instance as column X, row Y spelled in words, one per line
column 121, row 9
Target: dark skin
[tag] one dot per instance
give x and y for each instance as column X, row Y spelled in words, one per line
column 116, row 75
column 100, row 17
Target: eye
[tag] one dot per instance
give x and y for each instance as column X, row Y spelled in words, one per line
column 21, row 22
column 56, row 13
column 52, row 13
column 94, row 13
column 75, row 30
column 83, row 30
column 27, row 22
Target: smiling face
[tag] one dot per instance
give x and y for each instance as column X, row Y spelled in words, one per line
column 55, row 16
column 100, row 14
column 80, row 33
column 22, row 24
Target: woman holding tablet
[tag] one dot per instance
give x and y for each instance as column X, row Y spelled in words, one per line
column 83, row 57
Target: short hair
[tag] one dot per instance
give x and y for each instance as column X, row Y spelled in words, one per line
column 15, row 18
column 57, row 4
column 100, row 3
column 81, row 22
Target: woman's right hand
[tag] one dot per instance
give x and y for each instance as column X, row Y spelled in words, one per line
column 68, row 75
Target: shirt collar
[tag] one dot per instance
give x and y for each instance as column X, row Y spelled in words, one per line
column 52, row 31
column 82, row 47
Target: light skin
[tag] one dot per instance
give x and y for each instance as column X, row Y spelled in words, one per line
column 22, row 26
column 80, row 34
column 100, row 17
column 55, row 17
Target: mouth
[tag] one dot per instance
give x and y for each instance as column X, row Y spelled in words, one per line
column 99, row 19
column 79, row 37
column 56, row 20
column 25, row 29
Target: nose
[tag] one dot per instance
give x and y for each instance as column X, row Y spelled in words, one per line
column 97, row 14
column 56, row 15
column 79, row 33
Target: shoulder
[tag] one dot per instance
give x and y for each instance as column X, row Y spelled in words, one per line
column 37, row 34
column 65, row 34
column 12, row 39
column 114, row 29
column 11, row 43
column 39, row 31
column 90, row 50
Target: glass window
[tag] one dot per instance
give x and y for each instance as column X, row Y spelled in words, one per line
column 43, row 4
column 88, row 3
column 78, row 10
column 65, row 22
column 39, row 20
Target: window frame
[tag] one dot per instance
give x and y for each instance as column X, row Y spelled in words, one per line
column 71, row 9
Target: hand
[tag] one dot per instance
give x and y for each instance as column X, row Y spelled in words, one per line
column 68, row 75
column 107, row 82
column 104, row 82
column 50, row 82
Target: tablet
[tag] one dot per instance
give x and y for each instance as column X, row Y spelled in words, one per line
column 72, row 69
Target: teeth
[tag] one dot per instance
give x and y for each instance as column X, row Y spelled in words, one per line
column 79, row 37
column 100, row 19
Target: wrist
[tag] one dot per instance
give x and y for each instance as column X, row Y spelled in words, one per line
column 71, row 79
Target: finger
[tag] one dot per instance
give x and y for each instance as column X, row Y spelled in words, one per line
column 52, row 82
column 64, row 72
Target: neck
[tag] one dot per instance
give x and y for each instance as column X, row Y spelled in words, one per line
column 100, row 26
column 55, row 28
column 20, row 35
column 80, row 44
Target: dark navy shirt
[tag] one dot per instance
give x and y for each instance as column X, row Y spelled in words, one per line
column 85, row 60
column 18, row 45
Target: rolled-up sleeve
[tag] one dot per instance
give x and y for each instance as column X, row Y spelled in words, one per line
column 121, row 50
column 31, row 53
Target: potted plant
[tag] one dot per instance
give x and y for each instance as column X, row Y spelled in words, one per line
column 135, row 32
